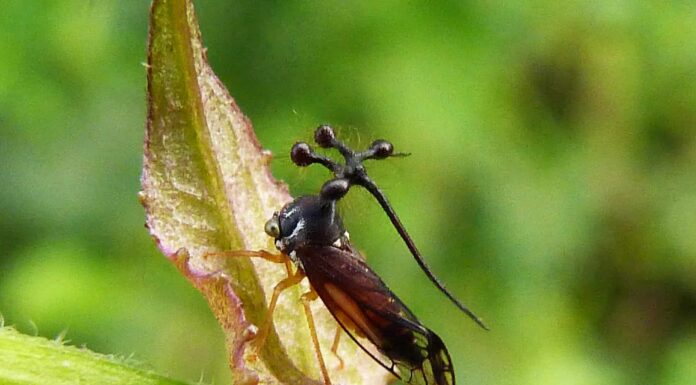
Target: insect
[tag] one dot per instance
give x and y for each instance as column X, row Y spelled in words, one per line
column 310, row 232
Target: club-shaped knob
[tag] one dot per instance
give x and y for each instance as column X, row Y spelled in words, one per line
column 324, row 136
column 335, row 189
column 301, row 154
column 381, row 149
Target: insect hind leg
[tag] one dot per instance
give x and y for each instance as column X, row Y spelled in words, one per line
column 306, row 299
column 334, row 347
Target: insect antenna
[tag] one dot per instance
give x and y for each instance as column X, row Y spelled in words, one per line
column 353, row 172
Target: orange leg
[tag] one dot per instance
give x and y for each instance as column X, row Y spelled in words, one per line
column 306, row 298
column 334, row 346
column 290, row 281
column 288, row 266
column 276, row 258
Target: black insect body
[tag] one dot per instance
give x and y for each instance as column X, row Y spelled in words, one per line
column 310, row 232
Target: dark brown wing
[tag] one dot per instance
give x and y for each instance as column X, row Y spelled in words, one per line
column 365, row 307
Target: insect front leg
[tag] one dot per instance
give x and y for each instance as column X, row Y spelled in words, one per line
column 306, row 299
column 276, row 258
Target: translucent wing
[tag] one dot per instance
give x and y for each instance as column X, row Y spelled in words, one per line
column 365, row 307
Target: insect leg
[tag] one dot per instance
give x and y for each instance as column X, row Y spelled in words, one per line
column 277, row 258
column 306, row 298
column 334, row 346
column 288, row 266
column 290, row 281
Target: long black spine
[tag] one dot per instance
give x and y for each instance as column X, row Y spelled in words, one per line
column 382, row 199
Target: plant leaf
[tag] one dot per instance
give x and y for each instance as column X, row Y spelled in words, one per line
column 36, row 360
column 207, row 187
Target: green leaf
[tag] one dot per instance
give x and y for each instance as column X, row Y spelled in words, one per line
column 207, row 187
column 30, row 360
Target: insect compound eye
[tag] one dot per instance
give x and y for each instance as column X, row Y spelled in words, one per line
column 324, row 136
column 301, row 154
column 272, row 228
column 381, row 149
column 335, row 189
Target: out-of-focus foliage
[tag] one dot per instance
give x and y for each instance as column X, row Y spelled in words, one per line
column 552, row 184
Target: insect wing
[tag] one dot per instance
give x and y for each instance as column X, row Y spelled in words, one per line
column 365, row 307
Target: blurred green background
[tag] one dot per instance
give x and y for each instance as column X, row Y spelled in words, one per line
column 552, row 184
